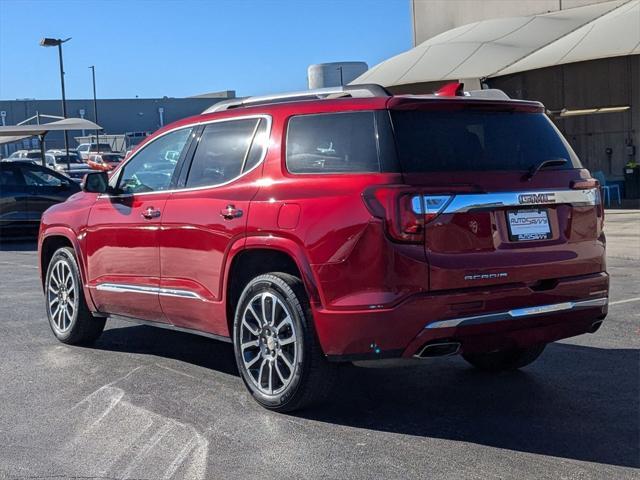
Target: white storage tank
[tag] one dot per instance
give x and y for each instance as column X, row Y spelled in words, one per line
column 334, row 74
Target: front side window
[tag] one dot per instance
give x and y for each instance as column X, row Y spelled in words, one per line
column 223, row 151
column 333, row 143
column 152, row 168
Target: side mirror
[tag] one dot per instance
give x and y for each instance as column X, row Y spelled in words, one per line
column 96, row 182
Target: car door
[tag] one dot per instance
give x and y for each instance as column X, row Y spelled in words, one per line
column 44, row 189
column 123, row 266
column 205, row 218
column 13, row 200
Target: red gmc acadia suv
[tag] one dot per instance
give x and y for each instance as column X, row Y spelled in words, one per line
column 338, row 225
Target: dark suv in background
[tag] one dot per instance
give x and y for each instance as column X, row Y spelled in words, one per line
column 339, row 225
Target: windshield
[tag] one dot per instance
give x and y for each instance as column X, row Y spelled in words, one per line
column 429, row 141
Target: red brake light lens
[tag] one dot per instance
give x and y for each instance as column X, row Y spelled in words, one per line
column 404, row 210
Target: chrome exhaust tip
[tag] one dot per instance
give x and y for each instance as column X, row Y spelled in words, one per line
column 438, row 349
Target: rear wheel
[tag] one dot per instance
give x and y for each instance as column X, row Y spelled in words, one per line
column 69, row 317
column 504, row 359
column 276, row 349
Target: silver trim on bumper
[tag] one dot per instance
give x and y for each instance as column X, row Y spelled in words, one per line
column 519, row 313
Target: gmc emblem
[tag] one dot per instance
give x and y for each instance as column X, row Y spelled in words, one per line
column 528, row 198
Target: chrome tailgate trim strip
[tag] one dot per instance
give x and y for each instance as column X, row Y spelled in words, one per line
column 466, row 202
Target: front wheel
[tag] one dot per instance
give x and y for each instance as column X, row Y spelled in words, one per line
column 278, row 355
column 504, row 359
column 69, row 317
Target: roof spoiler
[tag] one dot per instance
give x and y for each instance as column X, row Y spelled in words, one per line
column 456, row 89
column 354, row 91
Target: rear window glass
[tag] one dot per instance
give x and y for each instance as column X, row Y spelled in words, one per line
column 333, row 143
column 477, row 141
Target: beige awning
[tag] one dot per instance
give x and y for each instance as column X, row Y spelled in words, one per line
column 14, row 133
column 502, row 46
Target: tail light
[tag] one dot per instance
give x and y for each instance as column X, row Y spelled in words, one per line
column 404, row 210
column 588, row 184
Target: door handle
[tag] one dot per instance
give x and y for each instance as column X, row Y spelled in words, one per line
column 150, row 213
column 230, row 212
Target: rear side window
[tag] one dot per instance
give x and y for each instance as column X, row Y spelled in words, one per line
column 223, row 152
column 441, row 141
column 343, row 142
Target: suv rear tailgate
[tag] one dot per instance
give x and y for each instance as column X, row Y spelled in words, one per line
column 494, row 223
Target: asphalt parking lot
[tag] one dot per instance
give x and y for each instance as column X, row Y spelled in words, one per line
column 147, row 403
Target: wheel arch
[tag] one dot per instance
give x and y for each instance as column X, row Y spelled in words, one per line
column 50, row 242
column 257, row 258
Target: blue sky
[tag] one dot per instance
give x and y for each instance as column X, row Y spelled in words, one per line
column 181, row 48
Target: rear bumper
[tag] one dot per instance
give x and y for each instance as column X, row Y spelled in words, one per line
column 481, row 320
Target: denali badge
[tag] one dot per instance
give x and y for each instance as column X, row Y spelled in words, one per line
column 486, row 276
column 528, row 198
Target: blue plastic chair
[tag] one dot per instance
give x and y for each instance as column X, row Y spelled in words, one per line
column 599, row 175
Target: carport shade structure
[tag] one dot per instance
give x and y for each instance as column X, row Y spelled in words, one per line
column 14, row 133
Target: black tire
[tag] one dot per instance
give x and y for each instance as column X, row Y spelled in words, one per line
column 312, row 378
column 79, row 326
column 504, row 360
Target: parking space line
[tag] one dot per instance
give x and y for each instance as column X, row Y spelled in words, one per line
column 628, row 300
column 19, row 265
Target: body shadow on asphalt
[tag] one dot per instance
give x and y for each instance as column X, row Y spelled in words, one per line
column 574, row 402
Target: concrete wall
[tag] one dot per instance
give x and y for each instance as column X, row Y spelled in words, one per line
column 116, row 116
column 431, row 17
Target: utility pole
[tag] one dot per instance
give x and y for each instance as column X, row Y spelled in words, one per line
column 95, row 106
column 57, row 42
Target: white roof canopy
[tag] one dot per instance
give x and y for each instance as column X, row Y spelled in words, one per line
column 502, row 46
column 14, row 133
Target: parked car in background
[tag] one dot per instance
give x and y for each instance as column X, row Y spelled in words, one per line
column 30, row 156
column 85, row 149
column 74, row 167
column 312, row 231
column 26, row 191
column 104, row 161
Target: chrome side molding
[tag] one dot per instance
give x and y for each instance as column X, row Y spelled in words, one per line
column 466, row 202
column 166, row 292
column 519, row 313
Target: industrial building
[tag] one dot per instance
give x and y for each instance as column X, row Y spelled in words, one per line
column 134, row 116
column 581, row 58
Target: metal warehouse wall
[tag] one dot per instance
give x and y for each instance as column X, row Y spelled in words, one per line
column 596, row 83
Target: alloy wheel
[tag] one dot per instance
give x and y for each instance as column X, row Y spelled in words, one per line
column 62, row 296
column 268, row 343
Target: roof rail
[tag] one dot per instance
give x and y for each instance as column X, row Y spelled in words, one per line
column 354, row 91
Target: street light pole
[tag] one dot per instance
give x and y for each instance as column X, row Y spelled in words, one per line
column 57, row 42
column 95, row 105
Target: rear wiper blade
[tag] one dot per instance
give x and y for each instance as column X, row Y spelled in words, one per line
column 554, row 162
